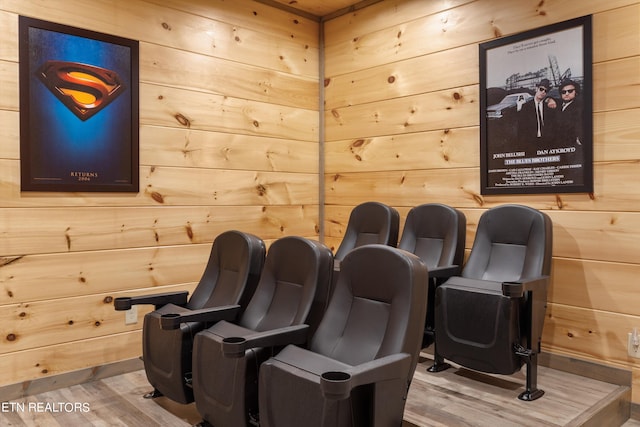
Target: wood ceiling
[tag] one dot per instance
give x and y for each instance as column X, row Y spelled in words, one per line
column 320, row 8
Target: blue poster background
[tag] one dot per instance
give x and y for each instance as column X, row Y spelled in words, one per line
column 61, row 143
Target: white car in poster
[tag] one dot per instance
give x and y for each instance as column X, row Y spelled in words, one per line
column 512, row 102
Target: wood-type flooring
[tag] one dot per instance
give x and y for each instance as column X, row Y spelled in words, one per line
column 456, row 397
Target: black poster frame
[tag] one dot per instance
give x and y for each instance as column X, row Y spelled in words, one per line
column 517, row 158
column 79, row 109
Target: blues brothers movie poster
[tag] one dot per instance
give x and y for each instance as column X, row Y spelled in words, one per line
column 536, row 126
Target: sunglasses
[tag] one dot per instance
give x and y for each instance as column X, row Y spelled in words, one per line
column 542, row 89
column 566, row 91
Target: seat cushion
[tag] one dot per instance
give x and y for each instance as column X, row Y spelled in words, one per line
column 312, row 363
column 290, row 393
column 477, row 326
column 474, row 285
column 224, row 329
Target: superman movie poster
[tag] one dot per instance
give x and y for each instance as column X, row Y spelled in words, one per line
column 79, row 109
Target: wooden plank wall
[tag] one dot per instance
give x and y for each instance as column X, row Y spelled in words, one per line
column 229, row 122
column 402, row 127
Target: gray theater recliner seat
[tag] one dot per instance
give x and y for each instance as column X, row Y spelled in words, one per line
column 291, row 295
column 360, row 362
column 229, row 279
column 369, row 222
column 490, row 318
column 436, row 233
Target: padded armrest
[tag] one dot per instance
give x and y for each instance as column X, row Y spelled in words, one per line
column 517, row 289
column 338, row 385
column 177, row 298
column 213, row 314
column 444, row 271
column 236, row 346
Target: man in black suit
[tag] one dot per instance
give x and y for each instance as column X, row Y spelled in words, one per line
column 537, row 121
column 570, row 120
column 570, row 130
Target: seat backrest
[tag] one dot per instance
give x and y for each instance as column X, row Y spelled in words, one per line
column 512, row 242
column 232, row 272
column 370, row 222
column 377, row 309
column 294, row 282
column 435, row 233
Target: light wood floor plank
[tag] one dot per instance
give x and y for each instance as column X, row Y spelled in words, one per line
column 462, row 397
column 455, row 397
column 133, row 386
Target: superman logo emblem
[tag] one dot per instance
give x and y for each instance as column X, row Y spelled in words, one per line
column 84, row 89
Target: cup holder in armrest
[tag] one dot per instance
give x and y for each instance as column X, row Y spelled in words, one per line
column 335, row 385
column 512, row 289
column 233, row 346
column 170, row 321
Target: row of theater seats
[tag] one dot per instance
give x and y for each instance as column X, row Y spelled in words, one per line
column 487, row 315
column 434, row 232
column 297, row 341
column 286, row 353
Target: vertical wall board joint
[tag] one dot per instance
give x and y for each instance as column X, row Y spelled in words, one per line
column 321, row 133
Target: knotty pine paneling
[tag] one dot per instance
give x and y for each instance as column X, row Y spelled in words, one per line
column 461, row 187
column 62, row 230
column 180, row 107
column 620, row 25
column 615, row 135
column 427, row 73
column 8, row 37
column 32, row 278
column 271, row 21
column 191, row 186
column 589, row 333
column 616, row 84
column 229, row 127
column 167, row 66
column 24, row 366
column 616, row 87
column 196, row 148
column 172, row 186
column 448, row 148
column 444, row 109
column 39, row 324
column 9, row 87
column 390, row 72
column 351, row 44
column 458, row 66
column 9, row 134
column 459, row 148
column 596, row 285
column 182, row 28
column 380, row 16
column 216, row 71
column 173, row 107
